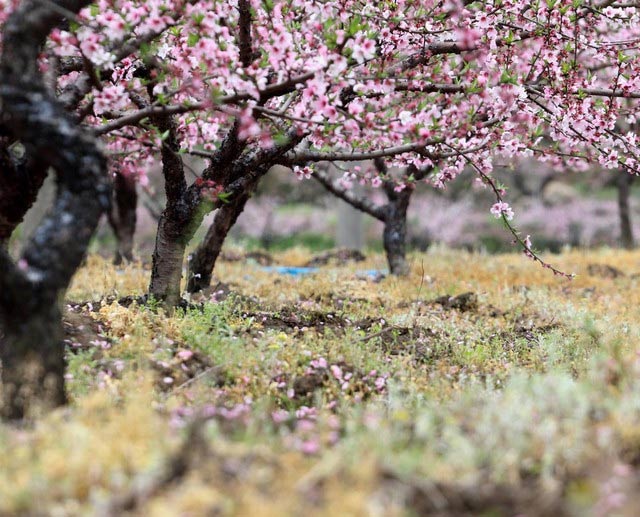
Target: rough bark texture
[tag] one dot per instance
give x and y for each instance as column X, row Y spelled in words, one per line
column 624, row 181
column 31, row 350
column 122, row 216
column 394, row 236
column 174, row 223
column 184, row 210
column 203, row 260
column 20, row 182
column 244, row 32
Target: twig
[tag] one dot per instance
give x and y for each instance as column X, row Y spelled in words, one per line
column 186, row 383
column 376, row 334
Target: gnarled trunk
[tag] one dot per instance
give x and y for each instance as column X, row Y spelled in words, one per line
column 394, row 238
column 33, row 362
column 31, row 350
column 623, row 183
column 175, row 222
column 122, row 216
column 186, row 206
column 203, row 260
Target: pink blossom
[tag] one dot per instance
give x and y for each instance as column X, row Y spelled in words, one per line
column 500, row 209
column 110, row 98
column 279, row 416
column 184, row 355
column 310, row 447
column 321, row 362
column 336, row 371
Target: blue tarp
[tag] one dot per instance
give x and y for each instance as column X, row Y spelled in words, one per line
column 301, row 271
column 290, row 270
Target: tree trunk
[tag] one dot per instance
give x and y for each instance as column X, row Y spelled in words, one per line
column 33, row 362
column 175, row 221
column 20, row 182
column 203, row 260
column 31, row 350
column 168, row 256
column 394, row 236
column 122, row 216
column 623, row 183
column 187, row 206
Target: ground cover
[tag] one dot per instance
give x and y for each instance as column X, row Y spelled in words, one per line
column 479, row 385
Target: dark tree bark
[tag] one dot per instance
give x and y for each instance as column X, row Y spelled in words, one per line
column 184, row 210
column 203, row 259
column 175, row 224
column 122, row 216
column 394, row 235
column 623, row 184
column 20, row 181
column 31, row 350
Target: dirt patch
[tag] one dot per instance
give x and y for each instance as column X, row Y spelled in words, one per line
column 604, row 271
column 298, row 320
column 463, row 302
column 332, row 380
column 338, row 257
column 340, row 301
column 222, row 292
column 260, row 257
column 185, row 367
column 422, row 344
column 82, row 332
column 306, row 385
column 485, row 498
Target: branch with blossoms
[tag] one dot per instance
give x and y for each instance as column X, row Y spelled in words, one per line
column 302, row 157
column 348, row 195
column 134, row 117
column 503, row 211
column 593, row 144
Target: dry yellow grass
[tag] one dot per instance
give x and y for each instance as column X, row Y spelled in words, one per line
column 537, row 382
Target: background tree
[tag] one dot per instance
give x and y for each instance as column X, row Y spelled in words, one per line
column 393, row 213
column 122, row 216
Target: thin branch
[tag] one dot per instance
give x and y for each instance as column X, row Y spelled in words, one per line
column 528, row 251
column 244, row 32
column 303, row 157
column 133, row 117
column 359, row 202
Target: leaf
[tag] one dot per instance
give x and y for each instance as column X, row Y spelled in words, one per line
column 193, row 38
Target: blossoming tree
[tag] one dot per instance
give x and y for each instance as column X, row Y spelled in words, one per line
column 246, row 84
column 443, row 87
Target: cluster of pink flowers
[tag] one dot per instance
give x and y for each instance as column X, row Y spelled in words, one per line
column 453, row 84
column 416, row 70
column 209, row 189
column 110, row 98
column 501, row 209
